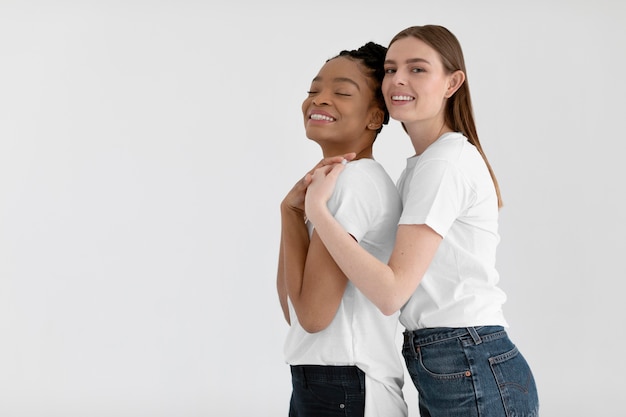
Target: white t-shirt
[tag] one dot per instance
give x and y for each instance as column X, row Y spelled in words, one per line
column 448, row 187
column 367, row 204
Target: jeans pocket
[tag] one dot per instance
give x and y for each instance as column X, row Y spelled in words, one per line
column 445, row 361
column 516, row 383
column 327, row 393
column 442, row 377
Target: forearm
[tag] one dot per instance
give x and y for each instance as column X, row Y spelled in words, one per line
column 294, row 246
column 314, row 283
column 281, row 283
column 375, row 279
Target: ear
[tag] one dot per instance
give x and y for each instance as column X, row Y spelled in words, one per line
column 455, row 81
column 376, row 119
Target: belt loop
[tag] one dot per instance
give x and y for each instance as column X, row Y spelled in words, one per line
column 472, row 331
column 408, row 338
column 361, row 375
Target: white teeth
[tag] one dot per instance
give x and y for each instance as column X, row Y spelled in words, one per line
column 402, row 98
column 316, row 116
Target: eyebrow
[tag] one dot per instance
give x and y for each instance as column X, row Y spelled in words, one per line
column 409, row 61
column 341, row 80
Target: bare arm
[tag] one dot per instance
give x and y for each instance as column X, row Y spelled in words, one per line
column 281, row 283
column 307, row 273
column 313, row 282
column 390, row 285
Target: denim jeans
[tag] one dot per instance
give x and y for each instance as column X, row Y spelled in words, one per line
column 469, row 372
column 327, row 391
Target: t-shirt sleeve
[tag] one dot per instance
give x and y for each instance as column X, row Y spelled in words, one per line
column 438, row 194
column 356, row 201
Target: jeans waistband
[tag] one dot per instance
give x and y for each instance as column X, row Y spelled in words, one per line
column 328, row 373
column 477, row 335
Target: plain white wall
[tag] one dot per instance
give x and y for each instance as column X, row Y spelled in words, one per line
column 145, row 147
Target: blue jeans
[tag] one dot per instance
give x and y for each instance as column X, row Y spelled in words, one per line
column 469, row 372
column 327, row 391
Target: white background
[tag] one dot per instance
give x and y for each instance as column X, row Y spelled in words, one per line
column 144, row 150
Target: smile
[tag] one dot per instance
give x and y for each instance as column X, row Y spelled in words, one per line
column 317, row 116
column 402, row 98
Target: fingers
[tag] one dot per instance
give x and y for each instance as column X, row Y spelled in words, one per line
column 323, row 170
column 331, row 160
column 349, row 156
column 337, row 159
column 321, row 188
column 331, row 171
column 336, row 170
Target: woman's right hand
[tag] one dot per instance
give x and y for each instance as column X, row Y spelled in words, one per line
column 294, row 200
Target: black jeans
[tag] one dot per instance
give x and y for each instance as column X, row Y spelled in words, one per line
column 327, row 391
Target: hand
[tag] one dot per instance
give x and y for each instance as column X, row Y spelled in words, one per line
column 332, row 160
column 294, row 200
column 320, row 188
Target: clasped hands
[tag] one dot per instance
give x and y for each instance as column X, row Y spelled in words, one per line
column 316, row 187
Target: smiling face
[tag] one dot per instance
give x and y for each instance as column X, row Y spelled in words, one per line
column 340, row 112
column 416, row 84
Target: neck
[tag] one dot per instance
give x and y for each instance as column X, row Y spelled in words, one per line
column 422, row 136
column 366, row 152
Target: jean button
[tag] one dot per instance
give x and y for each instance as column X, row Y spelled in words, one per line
column 468, row 373
column 342, row 406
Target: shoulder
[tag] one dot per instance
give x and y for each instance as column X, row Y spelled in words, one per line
column 364, row 164
column 365, row 170
column 365, row 179
column 453, row 151
column 448, row 147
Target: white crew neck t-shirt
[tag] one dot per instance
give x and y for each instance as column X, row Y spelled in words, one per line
column 367, row 204
column 448, row 187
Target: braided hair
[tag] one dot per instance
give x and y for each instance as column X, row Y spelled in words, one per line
column 372, row 57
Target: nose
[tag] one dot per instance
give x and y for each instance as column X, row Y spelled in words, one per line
column 321, row 98
column 398, row 78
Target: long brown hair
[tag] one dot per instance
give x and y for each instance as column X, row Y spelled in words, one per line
column 458, row 113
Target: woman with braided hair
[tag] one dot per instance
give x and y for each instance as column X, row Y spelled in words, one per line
column 341, row 349
column 441, row 273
